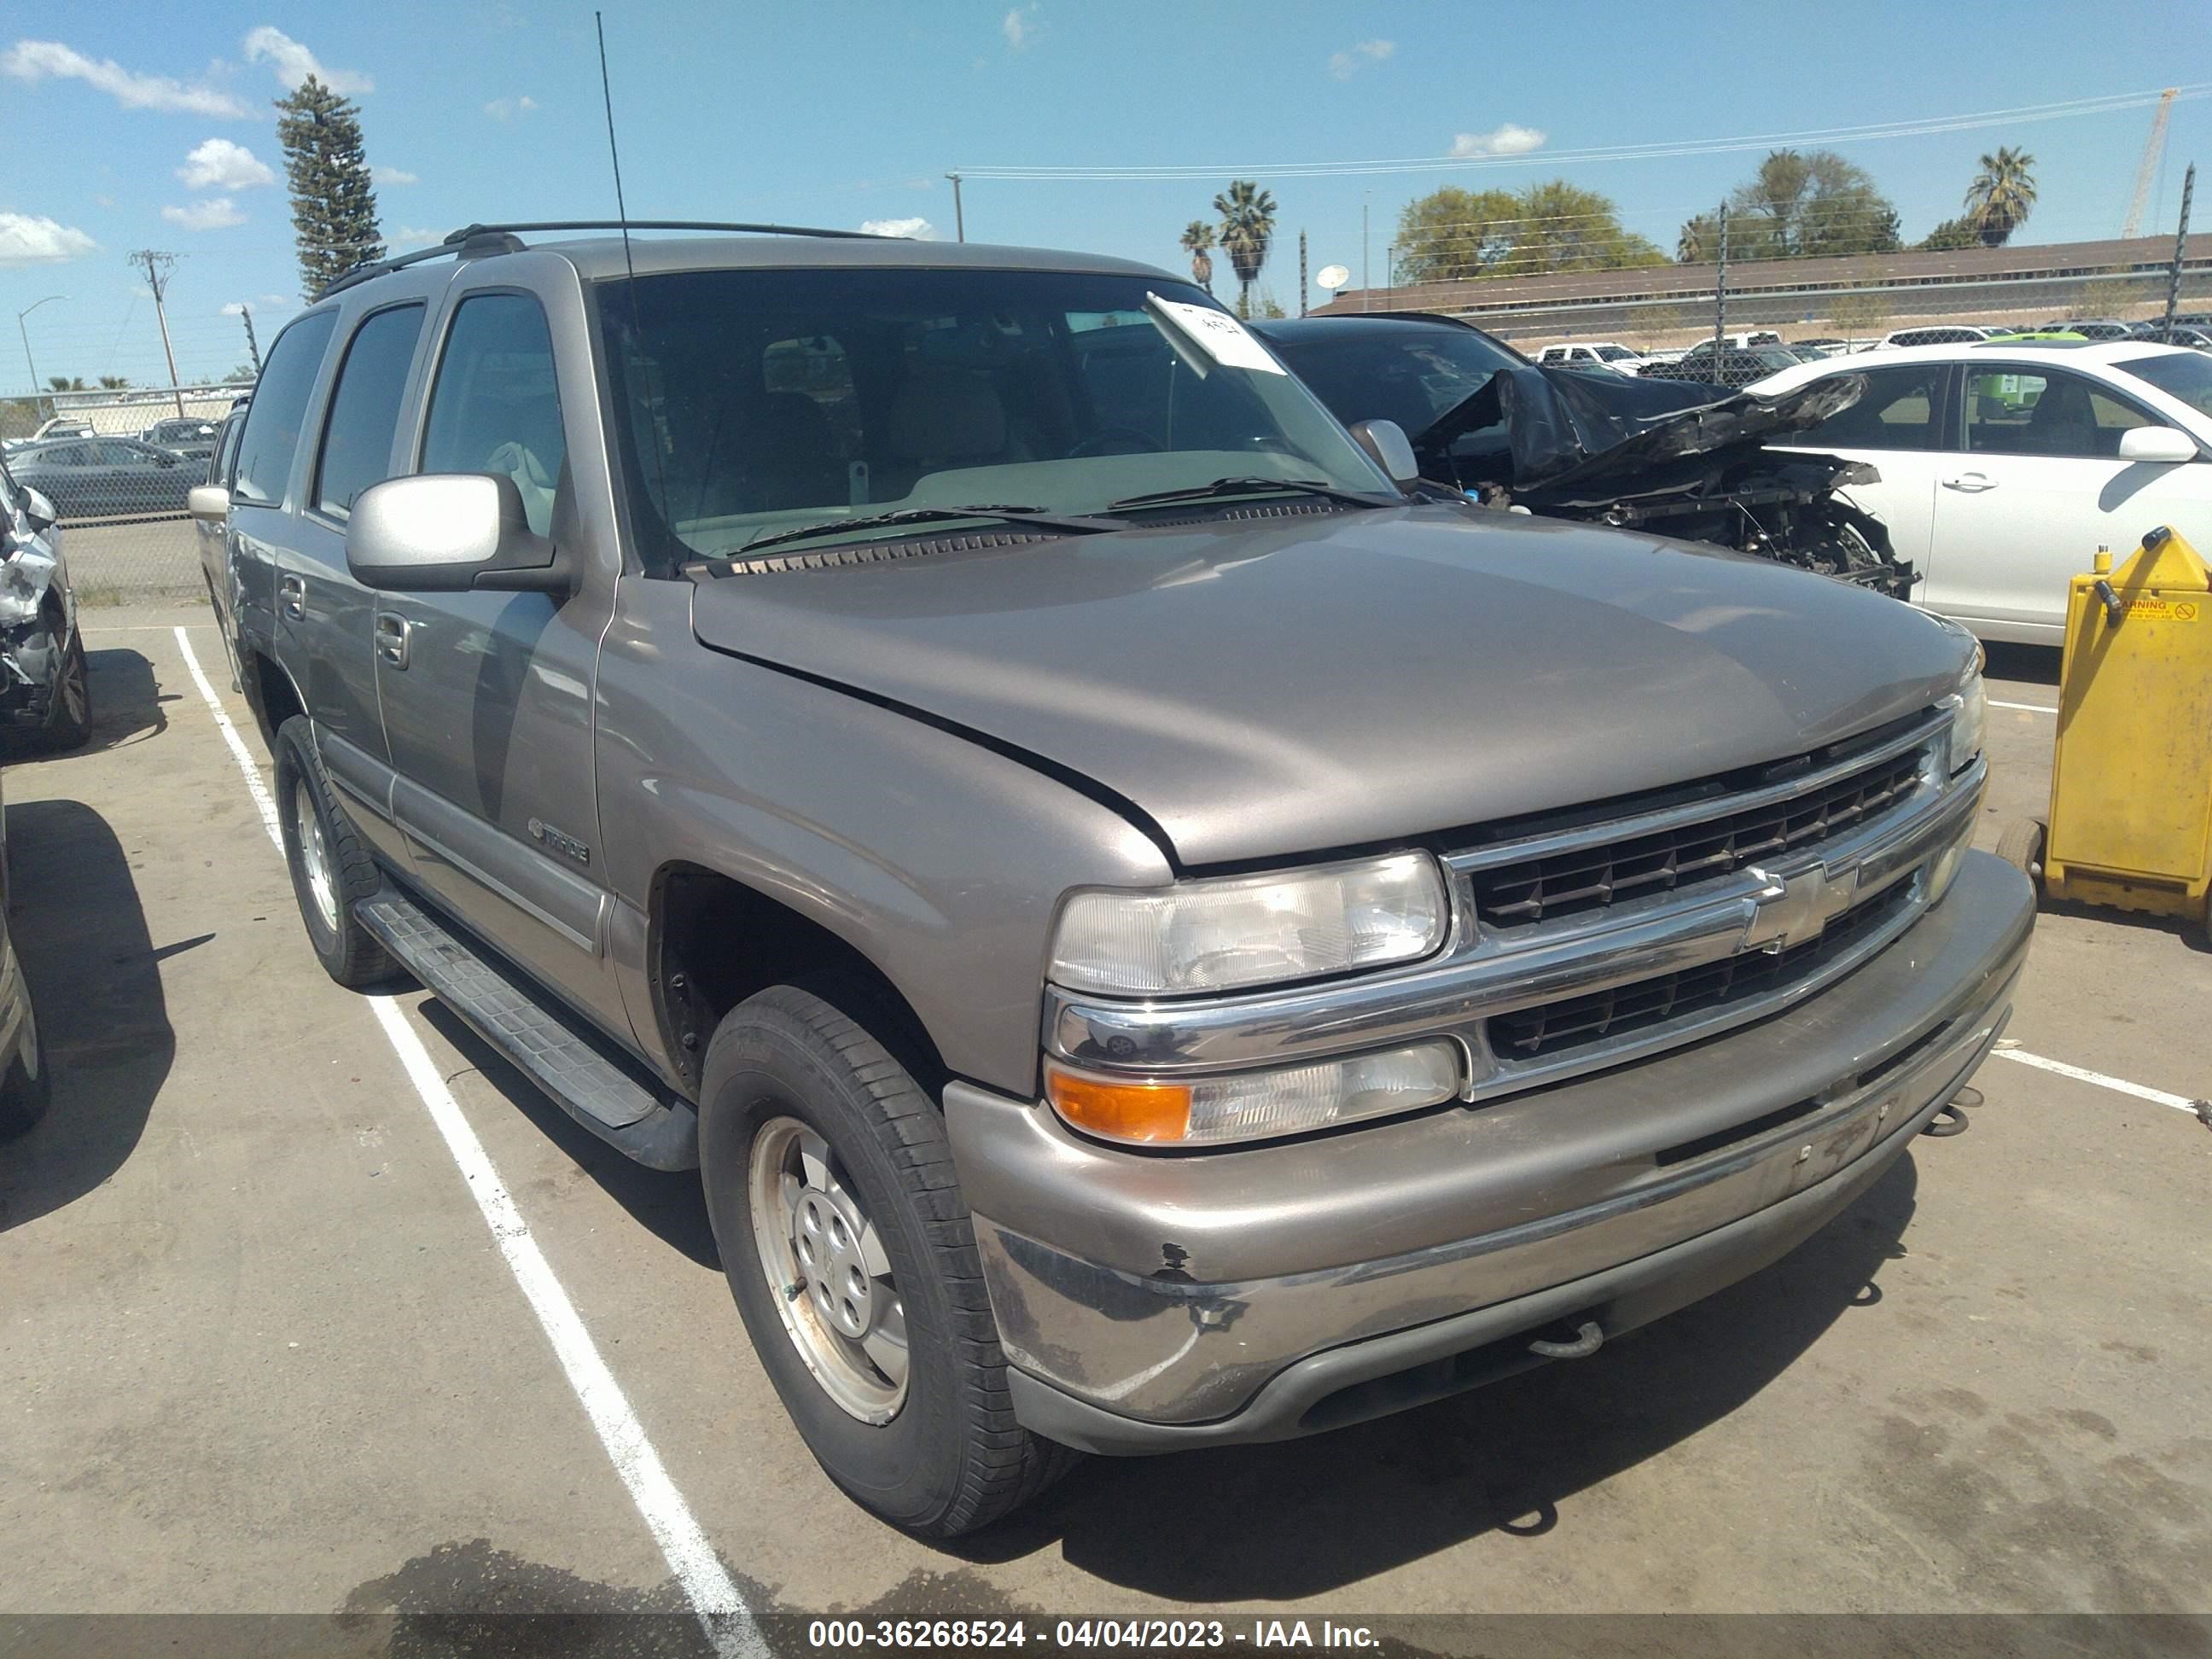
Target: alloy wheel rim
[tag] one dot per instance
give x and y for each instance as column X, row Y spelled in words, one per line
column 315, row 854
column 827, row 1271
column 72, row 688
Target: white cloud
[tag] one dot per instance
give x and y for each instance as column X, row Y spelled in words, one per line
column 25, row 239
column 235, row 308
column 505, row 109
column 36, row 60
column 1346, row 65
column 407, row 236
column 1020, row 27
column 920, row 230
column 216, row 213
column 1506, row 140
column 394, row 176
column 293, row 64
column 218, row 164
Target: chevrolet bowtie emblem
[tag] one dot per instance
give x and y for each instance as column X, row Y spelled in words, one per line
column 1792, row 910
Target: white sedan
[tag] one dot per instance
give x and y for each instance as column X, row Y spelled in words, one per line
column 2005, row 467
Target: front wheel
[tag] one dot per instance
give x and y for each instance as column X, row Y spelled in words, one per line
column 851, row 1259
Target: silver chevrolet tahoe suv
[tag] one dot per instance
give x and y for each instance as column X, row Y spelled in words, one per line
column 1150, row 939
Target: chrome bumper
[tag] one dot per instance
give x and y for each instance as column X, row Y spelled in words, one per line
column 1159, row 1299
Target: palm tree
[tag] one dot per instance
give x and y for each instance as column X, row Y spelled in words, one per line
column 1998, row 200
column 1198, row 242
column 114, row 382
column 66, row 383
column 1248, row 224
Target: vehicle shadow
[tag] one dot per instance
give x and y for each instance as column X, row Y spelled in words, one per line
column 1280, row 1522
column 669, row 1203
column 126, row 708
column 2030, row 665
column 95, row 982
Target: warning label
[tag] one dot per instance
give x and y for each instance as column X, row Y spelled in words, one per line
column 2154, row 608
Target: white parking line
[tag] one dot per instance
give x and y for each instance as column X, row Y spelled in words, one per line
column 2031, row 707
column 2158, row 1097
column 715, row 1600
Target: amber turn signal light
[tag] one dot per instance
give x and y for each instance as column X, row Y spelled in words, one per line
column 1122, row 1111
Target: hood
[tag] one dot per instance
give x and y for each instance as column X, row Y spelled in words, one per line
column 1576, row 435
column 1331, row 681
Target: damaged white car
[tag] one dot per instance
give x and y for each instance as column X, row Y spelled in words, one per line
column 45, row 701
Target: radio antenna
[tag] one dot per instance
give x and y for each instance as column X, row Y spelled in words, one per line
column 636, row 314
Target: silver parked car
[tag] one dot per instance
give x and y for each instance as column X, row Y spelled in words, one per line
column 45, row 692
column 1150, row 938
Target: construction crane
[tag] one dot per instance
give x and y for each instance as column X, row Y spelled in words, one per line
column 2152, row 151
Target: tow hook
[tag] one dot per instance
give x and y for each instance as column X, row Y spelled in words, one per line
column 1588, row 1339
column 1949, row 1120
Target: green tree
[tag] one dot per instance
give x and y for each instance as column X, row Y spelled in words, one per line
column 1453, row 235
column 114, row 382
column 1198, row 242
column 64, row 383
column 1950, row 236
column 1800, row 204
column 240, row 374
column 2002, row 194
column 333, row 203
column 1248, row 226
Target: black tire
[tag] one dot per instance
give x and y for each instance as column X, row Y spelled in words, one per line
column 25, row 1090
column 348, row 952
column 952, row 1458
column 2021, row 847
column 68, row 719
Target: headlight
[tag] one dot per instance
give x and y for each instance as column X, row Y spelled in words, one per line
column 1252, row 930
column 1945, row 867
column 1255, row 1105
column 1970, row 714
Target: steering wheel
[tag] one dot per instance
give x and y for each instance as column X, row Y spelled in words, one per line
column 1114, row 441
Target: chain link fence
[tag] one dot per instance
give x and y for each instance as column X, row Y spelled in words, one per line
column 117, row 466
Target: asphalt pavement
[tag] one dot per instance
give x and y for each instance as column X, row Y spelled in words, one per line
column 278, row 1341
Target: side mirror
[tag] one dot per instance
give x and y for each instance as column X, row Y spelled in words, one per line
column 1386, row 441
column 2157, row 443
column 446, row 532
column 208, row 503
column 39, row 511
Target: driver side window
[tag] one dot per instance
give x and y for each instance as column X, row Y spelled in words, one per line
column 494, row 407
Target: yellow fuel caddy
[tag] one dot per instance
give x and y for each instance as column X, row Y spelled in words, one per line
column 2130, row 820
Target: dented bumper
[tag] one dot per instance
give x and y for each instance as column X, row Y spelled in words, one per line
column 1151, row 1301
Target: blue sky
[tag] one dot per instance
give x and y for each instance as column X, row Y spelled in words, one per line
column 841, row 114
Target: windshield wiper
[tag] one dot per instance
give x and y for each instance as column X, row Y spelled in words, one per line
column 1250, row 487
column 1037, row 517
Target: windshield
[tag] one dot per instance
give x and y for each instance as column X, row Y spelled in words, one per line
column 2183, row 374
column 1393, row 372
column 753, row 403
column 1614, row 354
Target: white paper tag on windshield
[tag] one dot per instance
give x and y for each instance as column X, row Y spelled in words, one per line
column 1219, row 335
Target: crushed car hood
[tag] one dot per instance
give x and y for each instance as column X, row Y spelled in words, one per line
column 1332, row 680
column 1577, row 435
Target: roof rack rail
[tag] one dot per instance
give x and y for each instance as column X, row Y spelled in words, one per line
column 476, row 240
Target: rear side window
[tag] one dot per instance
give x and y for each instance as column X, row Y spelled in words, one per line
column 1898, row 412
column 226, row 450
column 2012, row 412
column 279, row 406
column 365, row 408
column 495, row 407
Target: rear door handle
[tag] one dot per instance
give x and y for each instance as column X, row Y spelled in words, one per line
column 392, row 631
column 292, row 595
column 1971, row 484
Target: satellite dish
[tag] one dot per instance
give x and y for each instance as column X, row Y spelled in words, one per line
column 1331, row 277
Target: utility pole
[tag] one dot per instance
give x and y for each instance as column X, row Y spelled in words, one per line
column 157, row 266
column 2181, row 245
column 1302, row 273
column 1363, row 296
column 959, row 221
column 1720, row 292
column 252, row 346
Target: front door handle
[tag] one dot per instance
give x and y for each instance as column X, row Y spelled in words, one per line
column 292, row 595
column 1971, row 484
column 392, row 631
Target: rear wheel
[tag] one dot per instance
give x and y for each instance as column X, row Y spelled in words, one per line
column 2021, row 847
column 330, row 869
column 853, row 1262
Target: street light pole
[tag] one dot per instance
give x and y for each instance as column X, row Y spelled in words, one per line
column 23, row 328
column 959, row 222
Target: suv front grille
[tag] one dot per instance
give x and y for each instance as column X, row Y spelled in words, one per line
column 1555, row 1028
column 1592, row 877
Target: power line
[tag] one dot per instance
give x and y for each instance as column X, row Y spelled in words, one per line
column 2018, row 114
